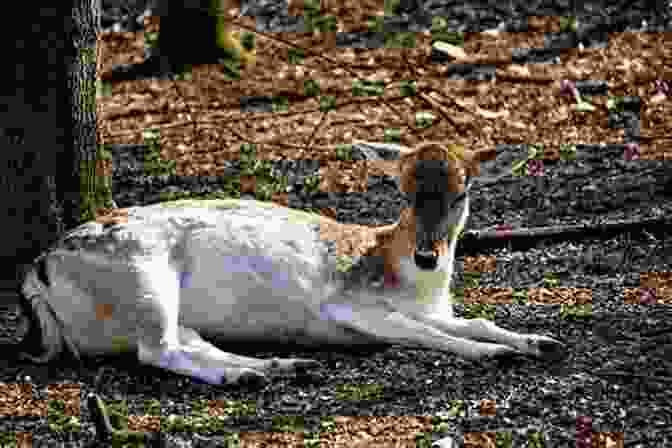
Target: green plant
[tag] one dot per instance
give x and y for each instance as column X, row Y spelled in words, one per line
column 7, row 439
column 248, row 40
column 151, row 39
column 533, row 164
column 520, row 296
column 424, row 119
column 535, row 440
column 575, row 312
column 327, row 103
column 280, row 104
column 408, row 88
column 315, row 21
column 503, row 439
column 360, row 392
column 615, row 103
column 364, row 87
column 58, row 421
column 399, row 40
column 311, row 87
column 567, row 152
column 375, row 24
column 311, row 184
column 392, row 135
column 551, row 280
column 288, row 423
column 568, row 24
column 441, row 33
column 266, row 183
column 344, row 152
column 154, row 165
column 480, row 310
column 457, row 408
column 568, row 87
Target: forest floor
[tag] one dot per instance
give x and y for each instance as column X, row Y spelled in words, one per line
column 587, row 291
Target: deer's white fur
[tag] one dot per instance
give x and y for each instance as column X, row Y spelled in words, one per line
column 154, row 279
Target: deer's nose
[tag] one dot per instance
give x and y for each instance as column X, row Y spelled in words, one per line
column 426, row 260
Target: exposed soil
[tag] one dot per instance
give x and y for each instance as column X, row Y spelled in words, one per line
column 619, row 368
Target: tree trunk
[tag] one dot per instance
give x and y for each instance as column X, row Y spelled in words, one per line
column 48, row 148
column 196, row 32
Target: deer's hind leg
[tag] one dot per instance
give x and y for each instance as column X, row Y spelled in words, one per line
column 167, row 345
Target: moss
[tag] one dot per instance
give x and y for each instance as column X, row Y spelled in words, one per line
column 95, row 184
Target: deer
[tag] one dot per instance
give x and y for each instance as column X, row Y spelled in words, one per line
column 175, row 282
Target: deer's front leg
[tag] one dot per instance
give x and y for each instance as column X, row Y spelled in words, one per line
column 540, row 346
column 397, row 328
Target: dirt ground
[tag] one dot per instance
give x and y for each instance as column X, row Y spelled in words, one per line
column 617, row 374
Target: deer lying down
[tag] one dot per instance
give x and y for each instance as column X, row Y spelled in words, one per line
column 162, row 279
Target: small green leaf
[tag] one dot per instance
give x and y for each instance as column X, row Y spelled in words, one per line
column 615, row 103
column 519, row 168
column 567, row 151
column 584, row 105
column 568, row 24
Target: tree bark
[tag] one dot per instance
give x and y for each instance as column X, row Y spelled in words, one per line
column 48, row 148
column 196, row 32
column 191, row 32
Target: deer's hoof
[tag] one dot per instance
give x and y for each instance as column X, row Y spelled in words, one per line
column 291, row 365
column 252, row 378
column 548, row 349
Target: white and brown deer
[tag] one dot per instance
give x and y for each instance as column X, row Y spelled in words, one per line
column 163, row 280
